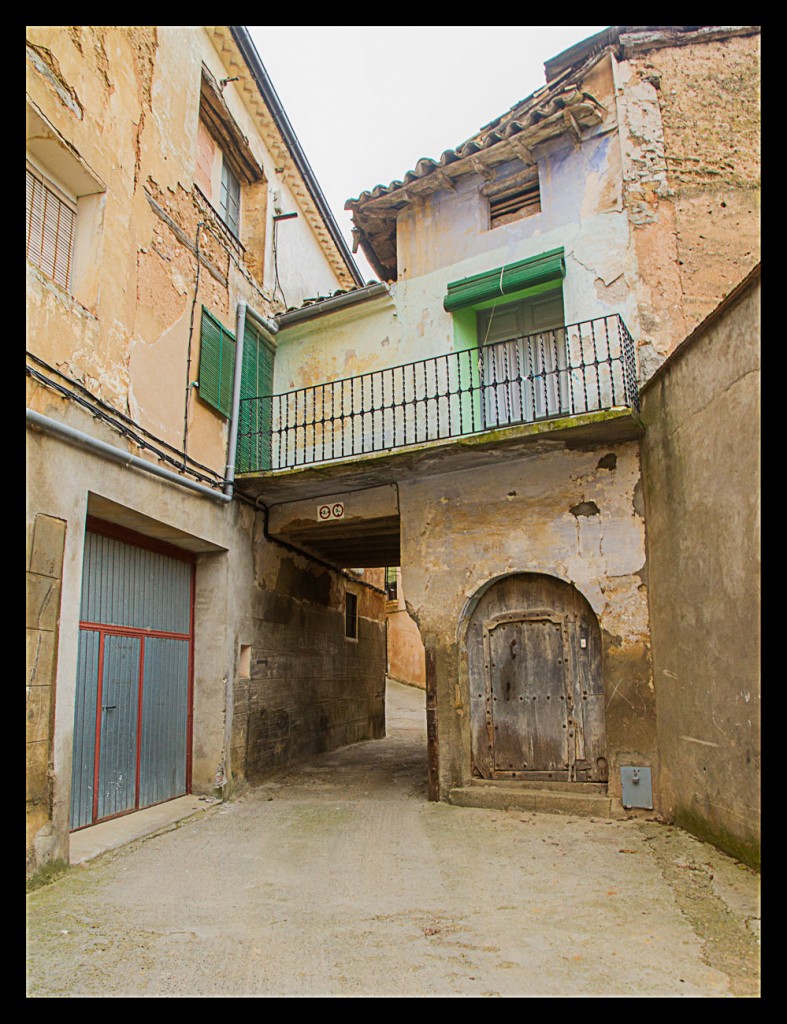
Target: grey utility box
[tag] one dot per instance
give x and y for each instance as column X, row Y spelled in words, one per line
column 637, row 787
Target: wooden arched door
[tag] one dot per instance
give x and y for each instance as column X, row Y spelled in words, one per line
column 536, row 693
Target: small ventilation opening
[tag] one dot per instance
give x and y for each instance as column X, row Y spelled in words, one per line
column 517, row 198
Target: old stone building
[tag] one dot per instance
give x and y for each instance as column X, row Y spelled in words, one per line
column 171, row 214
column 477, row 414
column 473, row 418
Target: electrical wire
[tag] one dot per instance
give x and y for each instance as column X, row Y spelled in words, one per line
column 124, row 430
column 188, row 349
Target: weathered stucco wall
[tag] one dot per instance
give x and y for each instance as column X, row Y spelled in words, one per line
column 447, row 237
column 114, row 118
column 702, row 495
column 127, row 103
column 574, row 515
column 406, row 661
column 309, row 688
column 690, row 132
column 332, row 346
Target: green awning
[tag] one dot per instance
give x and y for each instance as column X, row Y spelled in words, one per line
column 548, row 266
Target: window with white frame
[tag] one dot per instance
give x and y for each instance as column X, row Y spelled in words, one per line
column 229, row 199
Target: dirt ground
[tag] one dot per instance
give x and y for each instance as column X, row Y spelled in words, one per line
column 338, row 878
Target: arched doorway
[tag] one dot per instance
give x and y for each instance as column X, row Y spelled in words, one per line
column 536, row 693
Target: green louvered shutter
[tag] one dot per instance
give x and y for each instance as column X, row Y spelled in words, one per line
column 542, row 269
column 216, row 364
column 254, row 439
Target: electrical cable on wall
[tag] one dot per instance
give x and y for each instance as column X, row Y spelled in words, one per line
column 277, row 283
column 189, row 382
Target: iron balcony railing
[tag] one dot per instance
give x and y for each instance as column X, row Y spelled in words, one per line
column 581, row 368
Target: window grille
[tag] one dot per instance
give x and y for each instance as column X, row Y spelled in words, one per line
column 525, row 201
column 50, row 223
column 518, row 196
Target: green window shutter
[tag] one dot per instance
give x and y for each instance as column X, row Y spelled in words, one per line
column 254, row 441
column 216, row 364
column 548, row 266
column 257, row 376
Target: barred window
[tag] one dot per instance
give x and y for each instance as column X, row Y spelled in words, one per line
column 50, row 223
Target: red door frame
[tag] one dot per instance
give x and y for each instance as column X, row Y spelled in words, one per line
column 128, row 536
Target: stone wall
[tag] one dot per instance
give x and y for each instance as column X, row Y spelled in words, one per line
column 573, row 515
column 309, row 687
column 702, row 496
column 46, row 541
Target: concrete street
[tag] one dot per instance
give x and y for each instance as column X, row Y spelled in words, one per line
column 338, row 878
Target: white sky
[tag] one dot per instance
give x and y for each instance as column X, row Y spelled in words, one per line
column 368, row 103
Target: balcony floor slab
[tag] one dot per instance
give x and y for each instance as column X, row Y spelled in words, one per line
column 469, row 451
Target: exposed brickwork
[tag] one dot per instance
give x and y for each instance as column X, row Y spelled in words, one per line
column 709, row 100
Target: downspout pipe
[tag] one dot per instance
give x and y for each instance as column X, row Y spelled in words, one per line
column 78, row 437
column 269, row 329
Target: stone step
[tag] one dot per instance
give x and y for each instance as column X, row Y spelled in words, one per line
column 543, row 784
column 573, row 799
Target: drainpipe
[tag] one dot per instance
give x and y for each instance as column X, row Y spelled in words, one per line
column 269, row 329
column 78, row 437
column 83, row 440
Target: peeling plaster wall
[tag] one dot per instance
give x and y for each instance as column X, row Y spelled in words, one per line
column 447, row 240
column 411, row 324
column 349, row 341
column 461, row 531
column 127, row 101
column 448, row 237
column 405, row 647
column 690, row 130
column 119, row 109
column 701, row 454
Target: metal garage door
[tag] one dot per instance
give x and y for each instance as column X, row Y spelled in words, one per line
column 132, row 722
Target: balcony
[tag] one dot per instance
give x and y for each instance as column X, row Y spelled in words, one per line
column 552, row 380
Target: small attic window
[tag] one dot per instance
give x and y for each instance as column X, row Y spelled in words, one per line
column 515, row 197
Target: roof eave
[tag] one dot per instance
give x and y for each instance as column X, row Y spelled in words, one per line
column 245, row 44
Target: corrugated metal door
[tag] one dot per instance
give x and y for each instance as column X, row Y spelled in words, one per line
column 132, row 718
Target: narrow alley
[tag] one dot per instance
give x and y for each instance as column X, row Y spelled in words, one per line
column 338, row 878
